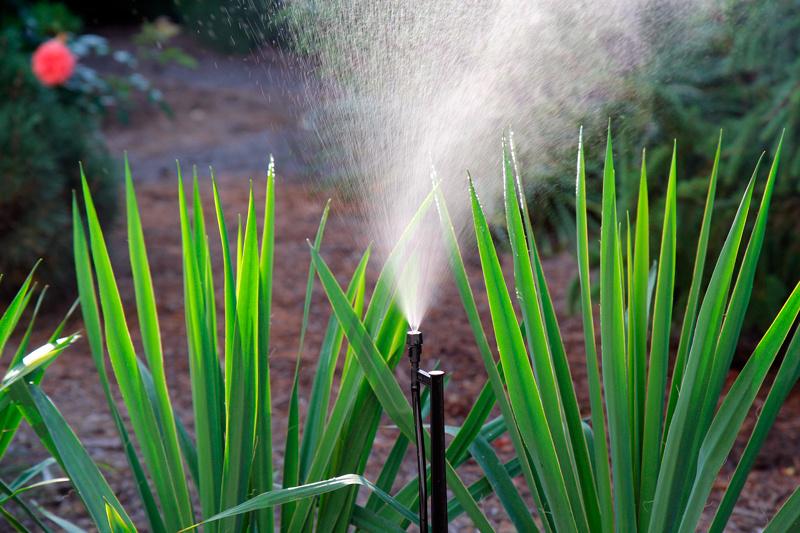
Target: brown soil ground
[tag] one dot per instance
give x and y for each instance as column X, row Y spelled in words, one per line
column 232, row 112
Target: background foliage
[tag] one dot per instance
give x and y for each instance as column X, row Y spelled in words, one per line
column 737, row 69
column 46, row 131
column 42, row 138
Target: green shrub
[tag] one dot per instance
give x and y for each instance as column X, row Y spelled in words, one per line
column 41, row 139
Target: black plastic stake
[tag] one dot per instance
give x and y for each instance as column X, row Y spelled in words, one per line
column 434, row 380
column 438, row 480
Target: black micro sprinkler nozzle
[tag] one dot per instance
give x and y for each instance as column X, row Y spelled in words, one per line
column 434, row 380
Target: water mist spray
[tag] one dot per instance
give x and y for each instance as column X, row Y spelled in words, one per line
column 434, row 380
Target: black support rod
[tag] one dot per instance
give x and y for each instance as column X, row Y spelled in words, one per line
column 438, row 480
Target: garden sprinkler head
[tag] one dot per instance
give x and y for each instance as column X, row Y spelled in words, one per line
column 414, row 343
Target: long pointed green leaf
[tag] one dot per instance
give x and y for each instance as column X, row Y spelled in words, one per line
column 737, row 307
column 788, row 516
column 659, row 351
column 353, row 380
column 10, row 417
column 503, row 485
column 637, row 324
column 281, row 496
column 35, row 360
column 726, row 424
column 93, row 327
column 177, row 510
column 366, row 520
column 481, row 489
column 693, row 300
column 615, row 381
column 603, row 473
column 242, row 405
column 539, row 351
column 27, row 509
column 522, row 388
column 326, row 365
column 560, row 362
column 677, row 462
column 787, row 376
column 60, row 440
column 151, row 340
column 291, row 455
column 262, row 461
column 204, row 369
column 12, row 314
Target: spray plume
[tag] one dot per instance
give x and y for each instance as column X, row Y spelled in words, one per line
column 432, row 84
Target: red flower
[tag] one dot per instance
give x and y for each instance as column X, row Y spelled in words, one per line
column 53, row 63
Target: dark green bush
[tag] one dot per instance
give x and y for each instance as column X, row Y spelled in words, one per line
column 42, row 139
column 120, row 11
column 741, row 73
column 736, row 69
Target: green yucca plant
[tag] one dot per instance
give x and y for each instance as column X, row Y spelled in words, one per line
column 660, row 445
column 229, row 458
column 25, row 372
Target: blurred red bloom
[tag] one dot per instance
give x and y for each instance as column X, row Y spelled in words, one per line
column 53, row 63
